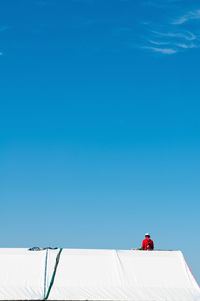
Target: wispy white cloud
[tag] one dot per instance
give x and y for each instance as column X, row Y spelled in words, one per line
column 170, row 42
column 187, row 46
column 161, row 50
column 158, row 43
column 176, row 42
column 165, row 36
column 187, row 35
column 192, row 15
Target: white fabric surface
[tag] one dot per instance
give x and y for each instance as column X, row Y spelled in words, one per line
column 22, row 273
column 103, row 275
column 124, row 275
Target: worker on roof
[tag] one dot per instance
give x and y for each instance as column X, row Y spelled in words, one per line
column 147, row 243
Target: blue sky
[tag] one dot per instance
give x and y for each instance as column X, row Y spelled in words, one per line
column 99, row 124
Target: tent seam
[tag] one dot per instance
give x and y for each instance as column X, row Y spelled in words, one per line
column 45, row 273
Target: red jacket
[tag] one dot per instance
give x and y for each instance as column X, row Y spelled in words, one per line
column 147, row 244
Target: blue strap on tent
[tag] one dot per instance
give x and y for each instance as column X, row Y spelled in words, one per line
column 53, row 275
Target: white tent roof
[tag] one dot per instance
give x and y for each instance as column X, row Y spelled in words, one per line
column 22, row 274
column 96, row 275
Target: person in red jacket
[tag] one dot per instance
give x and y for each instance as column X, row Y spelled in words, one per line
column 147, row 243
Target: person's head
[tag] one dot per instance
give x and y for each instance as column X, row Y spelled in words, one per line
column 147, row 235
